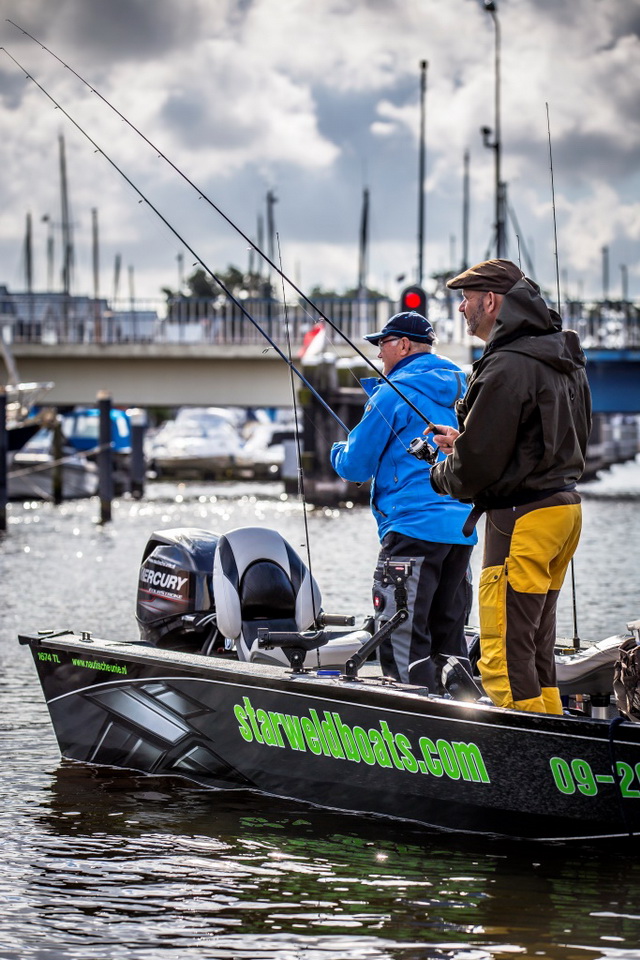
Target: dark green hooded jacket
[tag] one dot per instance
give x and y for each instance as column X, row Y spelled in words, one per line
column 526, row 416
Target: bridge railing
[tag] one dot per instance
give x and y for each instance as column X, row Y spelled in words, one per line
column 223, row 322
column 612, row 325
column 56, row 319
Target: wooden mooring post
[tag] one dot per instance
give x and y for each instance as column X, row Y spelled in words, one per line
column 105, row 457
column 57, row 473
column 138, row 423
column 4, row 448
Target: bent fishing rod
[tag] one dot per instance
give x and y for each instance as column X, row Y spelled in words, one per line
column 145, row 199
column 203, row 196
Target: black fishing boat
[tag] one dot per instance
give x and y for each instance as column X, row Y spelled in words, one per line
column 241, row 681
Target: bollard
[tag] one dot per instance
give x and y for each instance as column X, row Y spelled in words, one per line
column 4, row 447
column 105, row 458
column 138, row 421
column 289, row 472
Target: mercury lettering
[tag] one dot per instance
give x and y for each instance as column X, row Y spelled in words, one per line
column 167, row 581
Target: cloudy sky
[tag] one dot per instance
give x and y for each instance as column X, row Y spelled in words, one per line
column 317, row 100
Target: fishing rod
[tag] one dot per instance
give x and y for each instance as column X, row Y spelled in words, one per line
column 300, row 471
column 146, row 200
column 576, row 638
column 553, row 207
column 232, row 224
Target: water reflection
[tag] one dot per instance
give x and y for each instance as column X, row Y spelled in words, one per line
column 98, row 864
column 169, row 870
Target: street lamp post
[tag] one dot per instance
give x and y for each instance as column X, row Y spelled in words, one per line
column 496, row 145
column 421, row 169
column 47, row 219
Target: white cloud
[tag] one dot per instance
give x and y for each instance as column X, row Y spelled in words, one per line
column 315, row 100
column 580, row 243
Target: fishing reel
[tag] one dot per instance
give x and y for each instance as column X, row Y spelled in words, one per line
column 422, row 450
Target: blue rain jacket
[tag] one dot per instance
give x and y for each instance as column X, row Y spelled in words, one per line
column 402, row 498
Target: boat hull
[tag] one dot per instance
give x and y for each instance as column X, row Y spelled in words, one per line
column 364, row 746
column 33, row 480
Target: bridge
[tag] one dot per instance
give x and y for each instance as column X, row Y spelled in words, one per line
column 614, row 378
column 197, row 352
column 205, row 352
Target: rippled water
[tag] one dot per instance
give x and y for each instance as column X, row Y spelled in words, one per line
column 98, row 864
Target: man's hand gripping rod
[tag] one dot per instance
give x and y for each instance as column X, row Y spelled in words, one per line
column 421, row 449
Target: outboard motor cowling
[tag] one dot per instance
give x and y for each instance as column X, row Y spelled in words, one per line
column 175, row 608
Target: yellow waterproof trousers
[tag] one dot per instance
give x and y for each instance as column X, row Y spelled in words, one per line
column 527, row 550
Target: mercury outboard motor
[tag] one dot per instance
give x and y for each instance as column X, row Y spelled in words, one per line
column 174, row 606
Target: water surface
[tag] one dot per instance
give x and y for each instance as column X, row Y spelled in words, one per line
column 101, row 864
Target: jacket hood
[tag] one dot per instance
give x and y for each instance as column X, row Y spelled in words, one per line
column 445, row 383
column 526, row 325
column 523, row 312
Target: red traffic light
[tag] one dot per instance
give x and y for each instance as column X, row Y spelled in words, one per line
column 414, row 298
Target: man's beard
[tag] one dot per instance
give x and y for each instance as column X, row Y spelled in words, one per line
column 474, row 319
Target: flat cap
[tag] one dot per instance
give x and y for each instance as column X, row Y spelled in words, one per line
column 497, row 276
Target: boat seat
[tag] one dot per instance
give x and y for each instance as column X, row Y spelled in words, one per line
column 590, row 669
column 260, row 583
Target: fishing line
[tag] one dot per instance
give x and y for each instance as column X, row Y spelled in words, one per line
column 146, row 200
column 553, row 206
column 576, row 638
column 203, row 196
column 301, row 490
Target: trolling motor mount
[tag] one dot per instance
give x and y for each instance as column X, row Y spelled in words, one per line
column 393, row 571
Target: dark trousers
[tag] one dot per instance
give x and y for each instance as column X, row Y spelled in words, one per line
column 438, row 601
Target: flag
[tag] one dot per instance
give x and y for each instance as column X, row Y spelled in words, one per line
column 314, row 341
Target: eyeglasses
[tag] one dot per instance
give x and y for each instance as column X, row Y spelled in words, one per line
column 381, row 343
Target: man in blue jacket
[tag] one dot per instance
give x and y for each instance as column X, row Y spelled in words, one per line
column 413, row 521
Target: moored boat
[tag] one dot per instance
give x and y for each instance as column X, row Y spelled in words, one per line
column 24, row 415
column 32, row 471
column 200, row 443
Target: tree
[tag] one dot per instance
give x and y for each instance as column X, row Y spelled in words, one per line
column 201, row 285
column 353, row 293
column 319, row 293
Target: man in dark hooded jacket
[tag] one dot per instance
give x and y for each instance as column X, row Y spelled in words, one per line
column 524, row 424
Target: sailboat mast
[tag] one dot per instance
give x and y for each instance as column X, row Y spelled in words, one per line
column 67, row 239
column 95, row 253
column 465, row 213
column 421, row 169
column 97, row 317
column 116, row 278
column 364, row 242
column 28, row 255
